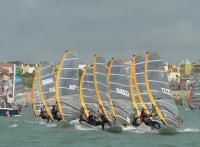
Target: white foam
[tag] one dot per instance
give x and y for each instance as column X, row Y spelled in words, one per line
column 13, row 126
column 84, row 128
column 51, row 125
column 189, row 130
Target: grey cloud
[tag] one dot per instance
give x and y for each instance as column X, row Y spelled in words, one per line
column 32, row 30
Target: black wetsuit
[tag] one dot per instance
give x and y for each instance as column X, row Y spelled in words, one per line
column 43, row 115
column 92, row 121
column 54, row 112
column 151, row 123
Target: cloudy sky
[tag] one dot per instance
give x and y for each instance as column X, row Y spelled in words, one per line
column 32, row 30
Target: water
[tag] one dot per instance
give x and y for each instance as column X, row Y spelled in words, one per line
column 26, row 131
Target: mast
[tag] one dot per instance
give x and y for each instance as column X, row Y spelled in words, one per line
column 132, row 72
column 14, row 76
column 32, row 94
column 81, row 92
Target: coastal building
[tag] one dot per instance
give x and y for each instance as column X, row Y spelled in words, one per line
column 185, row 71
column 185, row 68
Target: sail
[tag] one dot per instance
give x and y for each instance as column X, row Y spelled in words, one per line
column 89, row 101
column 118, row 85
column 158, row 90
column 100, row 84
column 46, row 82
column 19, row 93
column 132, row 75
column 138, row 75
column 36, row 100
column 67, row 86
column 194, row 101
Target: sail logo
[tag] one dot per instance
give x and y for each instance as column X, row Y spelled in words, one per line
column 47, row 81
column 73, row 87
column 52, row 89
column 123, row 92
column 166, row 91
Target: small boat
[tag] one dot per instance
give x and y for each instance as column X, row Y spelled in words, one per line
column 9, row 105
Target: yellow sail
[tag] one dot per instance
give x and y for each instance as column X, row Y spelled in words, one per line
column 33, row 95
column 137, row 86
column 57, row 85
column 97, row 88
column 41, row 93
column 81, row 92
column 160, row 115
column 108, row 80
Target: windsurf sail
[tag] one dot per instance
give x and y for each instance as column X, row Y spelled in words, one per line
column 88, row 99
column 137, row 76
column 158, row 90
column 36, row 100
column 67, row 86
column 194, row 100
column 100, row 84
column 118, row 87
column 46, row 84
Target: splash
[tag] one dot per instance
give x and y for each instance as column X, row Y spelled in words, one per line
column 13, row 126
column 189, row 130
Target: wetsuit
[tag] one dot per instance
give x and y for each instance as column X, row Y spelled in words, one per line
column 54, row 112
column 135, row 122
column 43, row 115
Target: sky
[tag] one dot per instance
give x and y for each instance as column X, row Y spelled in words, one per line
column 34, row 30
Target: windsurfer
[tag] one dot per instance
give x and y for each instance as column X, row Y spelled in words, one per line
column 146, row 118
column 44, row 115
column 92, row 120
column 134, row 120
column 54, row 112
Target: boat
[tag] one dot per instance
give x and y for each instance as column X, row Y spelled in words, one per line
column 8, row 105
column 37, row 104
column 46, row 85
column 153, row 91
column 119, row 94
column 67, row 87
column 20, row 92
column 194, row 99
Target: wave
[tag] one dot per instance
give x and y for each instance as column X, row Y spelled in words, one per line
column 189, row 130
column 13, row 126
column 84, row 128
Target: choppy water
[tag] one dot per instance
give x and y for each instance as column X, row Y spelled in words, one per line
column 26, row 131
